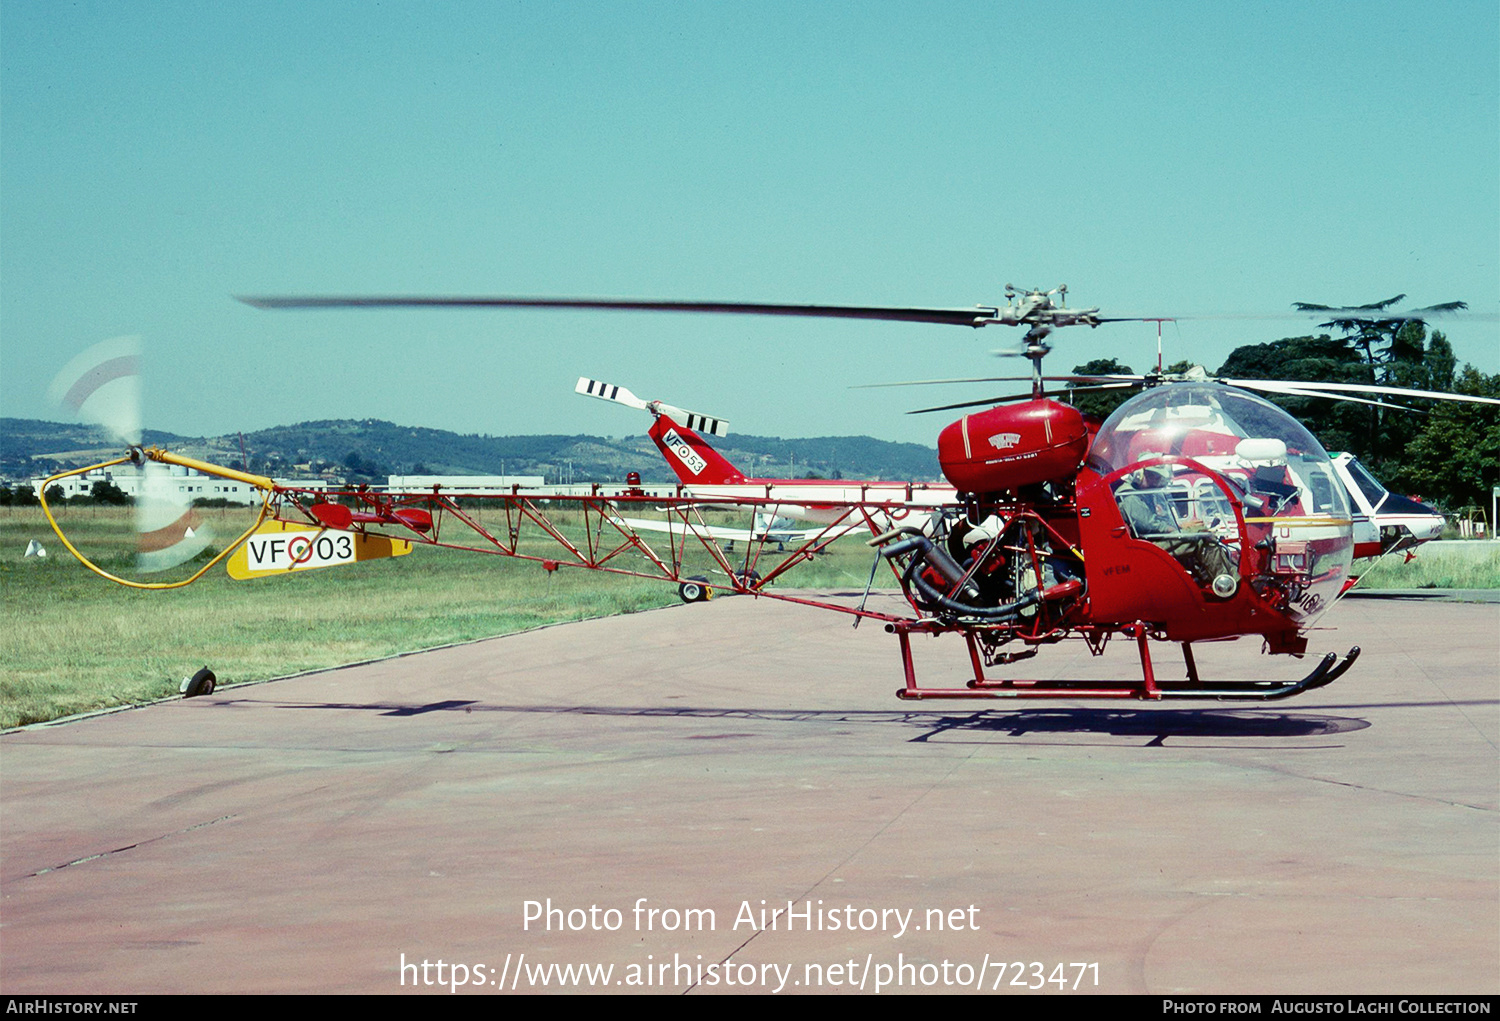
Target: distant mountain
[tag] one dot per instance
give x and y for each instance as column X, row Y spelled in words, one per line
column 28, row 446
column 371, row 449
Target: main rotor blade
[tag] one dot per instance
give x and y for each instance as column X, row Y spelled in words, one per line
column 1365, row 388
column 977, row 316
column 1348, row 315
column 1305, row 391
column 1015, row 397
column 1108, row 377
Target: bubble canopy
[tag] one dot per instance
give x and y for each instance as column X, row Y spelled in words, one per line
column 1232, row 432
column 1234, row 489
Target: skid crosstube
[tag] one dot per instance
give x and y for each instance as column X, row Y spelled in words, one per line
column 1328, row 670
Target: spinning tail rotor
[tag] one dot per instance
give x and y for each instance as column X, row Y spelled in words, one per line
column 102, row 386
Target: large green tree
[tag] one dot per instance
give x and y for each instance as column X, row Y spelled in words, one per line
column 1099, row 402
column 1444, row 451
column 1338, row 425
column 1394, row 337
column 1454, row 458
column 1396, row 352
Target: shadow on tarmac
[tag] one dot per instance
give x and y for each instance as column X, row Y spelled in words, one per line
column 1158, row 724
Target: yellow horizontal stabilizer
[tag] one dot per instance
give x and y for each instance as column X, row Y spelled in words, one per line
column 281, row 547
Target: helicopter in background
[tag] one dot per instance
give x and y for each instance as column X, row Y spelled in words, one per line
column 1384, row 522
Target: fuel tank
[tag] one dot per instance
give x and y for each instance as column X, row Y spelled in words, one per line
column 1012, row 446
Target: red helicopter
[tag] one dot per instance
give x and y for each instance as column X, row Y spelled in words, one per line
column 1196, row 512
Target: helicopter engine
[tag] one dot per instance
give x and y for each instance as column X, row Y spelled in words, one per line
column 1012, row 446
column 1006, row 568
column 1002, row 563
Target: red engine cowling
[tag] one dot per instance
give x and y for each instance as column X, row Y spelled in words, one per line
column 1013, row 446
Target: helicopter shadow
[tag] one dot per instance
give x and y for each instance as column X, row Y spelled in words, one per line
column 1155, row 725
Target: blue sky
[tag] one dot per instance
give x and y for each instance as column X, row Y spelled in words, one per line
column 1161, row 159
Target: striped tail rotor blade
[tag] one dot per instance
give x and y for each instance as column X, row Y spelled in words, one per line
column 619, row 395
column 608, row 392
column 701, row 424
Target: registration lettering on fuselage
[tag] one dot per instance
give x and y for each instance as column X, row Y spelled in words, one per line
column 291, row 551
column 278, row 547
column 684, row 451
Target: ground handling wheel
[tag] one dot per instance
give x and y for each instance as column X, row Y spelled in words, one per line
column 694, row 590
column 201, row 683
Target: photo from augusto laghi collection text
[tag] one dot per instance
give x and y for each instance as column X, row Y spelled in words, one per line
column 513, row 970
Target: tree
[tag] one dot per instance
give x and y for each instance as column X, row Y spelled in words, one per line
column 1338, row 425
column 1440, row 363
column 1100, row 402
column 1381, row 340
column 1455, row 457
column 107, row 493
column 1395, row 353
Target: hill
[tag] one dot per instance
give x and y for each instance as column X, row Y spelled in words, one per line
column 372, row 449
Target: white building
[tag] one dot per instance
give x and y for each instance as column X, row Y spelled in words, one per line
column 462, row 483
column 180, row 483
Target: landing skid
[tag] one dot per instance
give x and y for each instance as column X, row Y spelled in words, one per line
column 1328, row 670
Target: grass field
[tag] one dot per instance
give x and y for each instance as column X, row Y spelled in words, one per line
column 1436, row 567
column 74, row 642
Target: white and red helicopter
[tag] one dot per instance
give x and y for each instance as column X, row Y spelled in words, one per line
column 1384, row 522
column 1197, row 511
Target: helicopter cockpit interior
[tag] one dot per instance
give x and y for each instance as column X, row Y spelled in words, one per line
column 1180, row 458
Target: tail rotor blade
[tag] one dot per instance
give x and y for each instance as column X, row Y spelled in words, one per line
column 169, row 530
column 102, row 386
column 608, row 392
column 694, row 421
column 619, row 395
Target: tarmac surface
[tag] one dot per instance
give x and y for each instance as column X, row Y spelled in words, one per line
column 314, row 834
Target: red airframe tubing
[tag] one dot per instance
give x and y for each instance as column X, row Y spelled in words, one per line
column 983, row 687
column 1138, row 631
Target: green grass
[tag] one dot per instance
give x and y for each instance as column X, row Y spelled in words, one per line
column 1435, row 568
column 74, row 642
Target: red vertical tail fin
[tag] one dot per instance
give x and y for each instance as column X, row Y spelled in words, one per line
column 694, row 461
